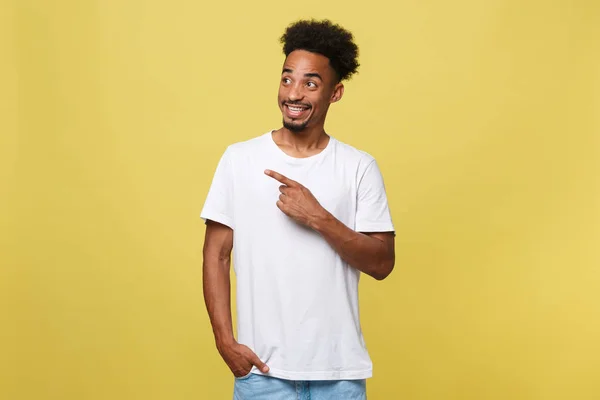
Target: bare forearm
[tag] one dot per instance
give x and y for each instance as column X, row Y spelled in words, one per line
column 367, row 254
column 217, row 288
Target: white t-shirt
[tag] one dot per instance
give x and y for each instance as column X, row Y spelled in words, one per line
column 297, row 300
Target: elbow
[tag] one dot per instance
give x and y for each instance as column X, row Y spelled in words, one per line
column 384, row 270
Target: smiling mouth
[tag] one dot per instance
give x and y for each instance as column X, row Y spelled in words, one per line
column 295, row 110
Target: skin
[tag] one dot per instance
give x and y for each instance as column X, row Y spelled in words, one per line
column 308, row 82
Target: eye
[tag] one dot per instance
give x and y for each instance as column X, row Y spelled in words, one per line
column 311, row 84
column 286, row 80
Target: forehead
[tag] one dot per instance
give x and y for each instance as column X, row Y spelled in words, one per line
column 302, row 61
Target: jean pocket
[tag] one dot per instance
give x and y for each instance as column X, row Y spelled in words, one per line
column 241, row 378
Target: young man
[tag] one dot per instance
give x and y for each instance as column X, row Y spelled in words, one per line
column 304, row 214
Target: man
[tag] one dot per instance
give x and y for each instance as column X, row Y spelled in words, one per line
column 304, row 214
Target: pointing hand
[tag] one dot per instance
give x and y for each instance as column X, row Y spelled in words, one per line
column 296, row 201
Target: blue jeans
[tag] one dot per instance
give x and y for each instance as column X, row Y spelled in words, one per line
column 260, row 387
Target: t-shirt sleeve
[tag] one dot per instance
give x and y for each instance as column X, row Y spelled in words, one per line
column 218, row 206
column 372, row 211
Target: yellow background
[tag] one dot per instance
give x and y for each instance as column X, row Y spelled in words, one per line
column 483, row 115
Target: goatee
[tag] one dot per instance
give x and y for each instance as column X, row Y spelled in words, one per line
column 294, row 127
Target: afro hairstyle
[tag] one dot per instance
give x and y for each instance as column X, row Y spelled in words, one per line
column 326, row 38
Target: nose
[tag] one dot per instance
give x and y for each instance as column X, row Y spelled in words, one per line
column 295, row 93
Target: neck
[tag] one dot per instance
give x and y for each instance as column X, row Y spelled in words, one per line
column 307, row 139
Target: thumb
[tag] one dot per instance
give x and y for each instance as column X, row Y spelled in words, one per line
column 258, row 363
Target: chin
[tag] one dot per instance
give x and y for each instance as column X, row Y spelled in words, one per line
column 294, row 127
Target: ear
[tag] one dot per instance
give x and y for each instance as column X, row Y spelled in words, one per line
column 338, row 92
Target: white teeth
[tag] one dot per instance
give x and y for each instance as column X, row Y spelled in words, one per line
column 296, row 109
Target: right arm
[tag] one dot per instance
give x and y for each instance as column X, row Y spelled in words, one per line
column 218, row 243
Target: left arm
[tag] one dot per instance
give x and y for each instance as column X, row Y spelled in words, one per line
column 371, row 253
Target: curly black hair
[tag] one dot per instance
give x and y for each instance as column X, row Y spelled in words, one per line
column 326, row 38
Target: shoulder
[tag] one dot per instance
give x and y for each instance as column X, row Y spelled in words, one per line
column 247, row 147
column 360, row 158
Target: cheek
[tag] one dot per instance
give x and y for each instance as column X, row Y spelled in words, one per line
column 282, row 94
column 322, row 98
column 320, row 104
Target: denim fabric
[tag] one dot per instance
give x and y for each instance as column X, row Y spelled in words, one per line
column 260, row 387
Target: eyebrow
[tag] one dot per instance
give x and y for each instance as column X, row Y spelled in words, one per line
column 307, row 75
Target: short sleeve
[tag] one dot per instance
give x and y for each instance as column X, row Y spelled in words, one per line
column 218, row 206
column 372, row 210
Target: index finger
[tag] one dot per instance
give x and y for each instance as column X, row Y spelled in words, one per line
column 281, row 178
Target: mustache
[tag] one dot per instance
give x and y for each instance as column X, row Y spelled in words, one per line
column 296, row 103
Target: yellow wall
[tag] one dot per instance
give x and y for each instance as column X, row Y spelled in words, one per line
column 484, row 116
